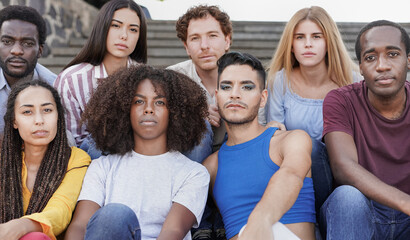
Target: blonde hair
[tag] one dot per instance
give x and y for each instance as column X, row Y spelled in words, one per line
column 340, row 66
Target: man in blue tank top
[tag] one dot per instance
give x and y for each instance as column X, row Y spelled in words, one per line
column 261, row 175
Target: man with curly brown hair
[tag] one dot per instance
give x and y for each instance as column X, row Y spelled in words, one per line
column 206, row 33
column 145, row 185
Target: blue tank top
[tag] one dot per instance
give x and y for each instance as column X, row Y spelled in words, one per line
column 244, row 171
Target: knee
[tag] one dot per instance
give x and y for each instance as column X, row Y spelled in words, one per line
column 101, row 224
column 35, row 236
column 347, row 198
column 114, row 212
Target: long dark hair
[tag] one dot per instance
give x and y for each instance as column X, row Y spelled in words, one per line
column 95, row 48
column 52, row 168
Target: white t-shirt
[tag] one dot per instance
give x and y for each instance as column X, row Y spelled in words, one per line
column 148, row 185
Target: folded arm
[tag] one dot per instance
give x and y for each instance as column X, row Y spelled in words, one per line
column 346, row 170
column 284, row 186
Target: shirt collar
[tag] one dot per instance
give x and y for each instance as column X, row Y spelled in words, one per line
column 3, row 81
column 100, row 72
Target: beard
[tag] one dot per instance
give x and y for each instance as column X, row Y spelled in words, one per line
column 29, row 67
column 253, row 113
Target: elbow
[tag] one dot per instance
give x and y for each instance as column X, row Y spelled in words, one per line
column 291, row 177
column 341, row 174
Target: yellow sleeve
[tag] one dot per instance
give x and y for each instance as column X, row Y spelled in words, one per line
column 57, row 214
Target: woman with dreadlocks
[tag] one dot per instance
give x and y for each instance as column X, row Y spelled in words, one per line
column 40, row 174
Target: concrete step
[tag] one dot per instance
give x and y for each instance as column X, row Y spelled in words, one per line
column 65, row 51
column 164, row 48
column 175, row 48
column 55, row 61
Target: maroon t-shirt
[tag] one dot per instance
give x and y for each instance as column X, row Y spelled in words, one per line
column 383, row 145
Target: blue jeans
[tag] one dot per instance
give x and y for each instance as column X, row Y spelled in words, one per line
column 113, row 221
column 88, row 145
column 200, row 152
column 348, row 214
column 321, row 174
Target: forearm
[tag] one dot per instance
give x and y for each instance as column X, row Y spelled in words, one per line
column 17, row 228
column 283, row 190
column 351, row 173
column 170, row 234
column 75, row 231
column 347, row 170
column 178, row 223
column 84, row 211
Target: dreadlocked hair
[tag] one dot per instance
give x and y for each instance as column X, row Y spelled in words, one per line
column 52, row 169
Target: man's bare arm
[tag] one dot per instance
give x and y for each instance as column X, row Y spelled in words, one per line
column 346, row 170
column 284, row 186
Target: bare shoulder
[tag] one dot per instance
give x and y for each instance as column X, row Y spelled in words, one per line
column 291, row 138
column 293, row 147
column 211, row 163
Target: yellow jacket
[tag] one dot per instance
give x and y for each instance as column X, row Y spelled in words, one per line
column 57, row 214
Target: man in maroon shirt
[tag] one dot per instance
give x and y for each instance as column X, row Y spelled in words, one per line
column 367, row 134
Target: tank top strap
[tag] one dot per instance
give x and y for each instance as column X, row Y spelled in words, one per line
column 267, row 135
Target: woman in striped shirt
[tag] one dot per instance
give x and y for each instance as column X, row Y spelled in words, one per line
column 117, row 40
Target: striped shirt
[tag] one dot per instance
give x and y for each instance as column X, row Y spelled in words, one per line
column 76, row 85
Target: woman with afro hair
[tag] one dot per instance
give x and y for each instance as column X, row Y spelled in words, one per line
column 143, row 117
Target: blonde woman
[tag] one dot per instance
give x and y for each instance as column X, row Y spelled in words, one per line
column 310, row 60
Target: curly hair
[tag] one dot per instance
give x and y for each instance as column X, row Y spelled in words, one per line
column 52, row 169
column 202, row 11
column 26, row 14
column 107, row 114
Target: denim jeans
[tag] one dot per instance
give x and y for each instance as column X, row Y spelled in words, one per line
column 321, row 174
column 200, row 152
column 88, row 145
column 113, row 221
column 348, row 214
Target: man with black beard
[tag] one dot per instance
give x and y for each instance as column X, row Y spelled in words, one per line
column 261, row 176
column 22, row 37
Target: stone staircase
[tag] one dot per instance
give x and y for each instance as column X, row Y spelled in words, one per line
column 164, row 48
